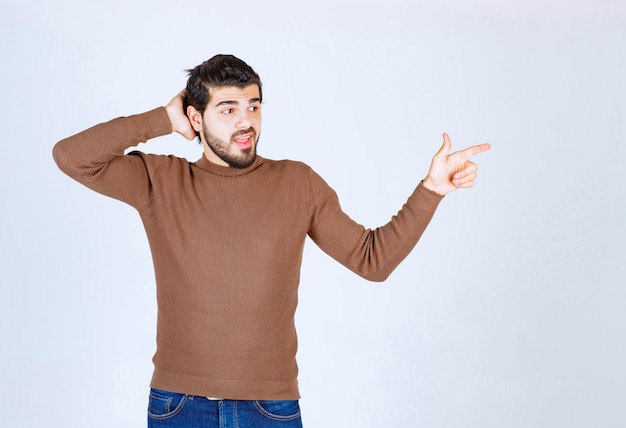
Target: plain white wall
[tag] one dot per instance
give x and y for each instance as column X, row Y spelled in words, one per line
column 510, row 311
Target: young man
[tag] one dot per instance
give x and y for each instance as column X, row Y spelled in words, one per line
column 227, row 234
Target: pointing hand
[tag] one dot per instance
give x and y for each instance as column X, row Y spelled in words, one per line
column 450, row 171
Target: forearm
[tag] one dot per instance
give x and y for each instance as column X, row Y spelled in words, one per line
column 385, row 247
column 372, row 253
column 83, row 155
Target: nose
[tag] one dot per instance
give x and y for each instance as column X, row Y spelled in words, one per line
column 244, row 121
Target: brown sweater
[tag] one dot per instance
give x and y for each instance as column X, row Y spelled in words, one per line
column 227, row 248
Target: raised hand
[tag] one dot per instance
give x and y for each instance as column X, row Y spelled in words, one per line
column 178, row 117
column 450, row 171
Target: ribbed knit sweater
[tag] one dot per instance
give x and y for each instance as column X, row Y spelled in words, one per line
column 227, row 247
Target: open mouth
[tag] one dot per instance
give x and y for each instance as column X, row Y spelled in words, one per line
column 244, row 139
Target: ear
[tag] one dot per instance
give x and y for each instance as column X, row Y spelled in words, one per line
column 195, row 118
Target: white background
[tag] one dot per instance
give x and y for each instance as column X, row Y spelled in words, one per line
column 509, row 312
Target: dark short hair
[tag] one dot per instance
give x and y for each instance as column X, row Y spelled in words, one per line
column 219, row 71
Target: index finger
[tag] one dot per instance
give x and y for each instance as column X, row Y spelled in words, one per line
column 474, row 150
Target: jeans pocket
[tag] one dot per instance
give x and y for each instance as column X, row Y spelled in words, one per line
column 279, row 410
column 165, row 404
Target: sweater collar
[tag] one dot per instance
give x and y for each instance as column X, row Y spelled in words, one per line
column 227, row 171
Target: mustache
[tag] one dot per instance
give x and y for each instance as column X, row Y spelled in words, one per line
column 242, row 132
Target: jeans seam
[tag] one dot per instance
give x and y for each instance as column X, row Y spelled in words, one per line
column 269, row 415
column 172, row 413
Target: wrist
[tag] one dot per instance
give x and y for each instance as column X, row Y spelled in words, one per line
column 431, row 185
column 172, row 117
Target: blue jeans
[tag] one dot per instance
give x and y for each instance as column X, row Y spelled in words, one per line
column 173, row 410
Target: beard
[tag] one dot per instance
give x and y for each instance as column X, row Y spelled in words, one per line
column 222, row 149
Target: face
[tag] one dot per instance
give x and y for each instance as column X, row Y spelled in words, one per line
column 230, row 126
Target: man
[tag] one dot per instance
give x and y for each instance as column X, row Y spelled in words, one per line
column 227, row 234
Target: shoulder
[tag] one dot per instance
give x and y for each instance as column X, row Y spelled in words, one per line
column 158, row 163
column 304, row 175
column 285, row 163
column 287, row 166
column 159, row 159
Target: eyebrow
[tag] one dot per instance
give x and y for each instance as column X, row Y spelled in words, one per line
column 232, row 102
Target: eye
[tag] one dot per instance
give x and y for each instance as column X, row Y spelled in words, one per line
column 227, row 111
column 254, row 108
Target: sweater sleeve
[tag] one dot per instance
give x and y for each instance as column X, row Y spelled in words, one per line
column 370, row 253
column 95, row 157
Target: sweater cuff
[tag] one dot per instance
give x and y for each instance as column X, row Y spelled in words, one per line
column 157, row 123
column 431, row 193
column 430, row 197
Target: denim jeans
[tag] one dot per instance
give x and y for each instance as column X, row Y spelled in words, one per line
column 173, row 410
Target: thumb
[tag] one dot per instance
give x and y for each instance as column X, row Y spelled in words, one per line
column 445, row 147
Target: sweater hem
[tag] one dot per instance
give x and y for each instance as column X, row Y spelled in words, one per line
column 231, row 389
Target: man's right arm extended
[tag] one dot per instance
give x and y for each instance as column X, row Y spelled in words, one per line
column 95, row 157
